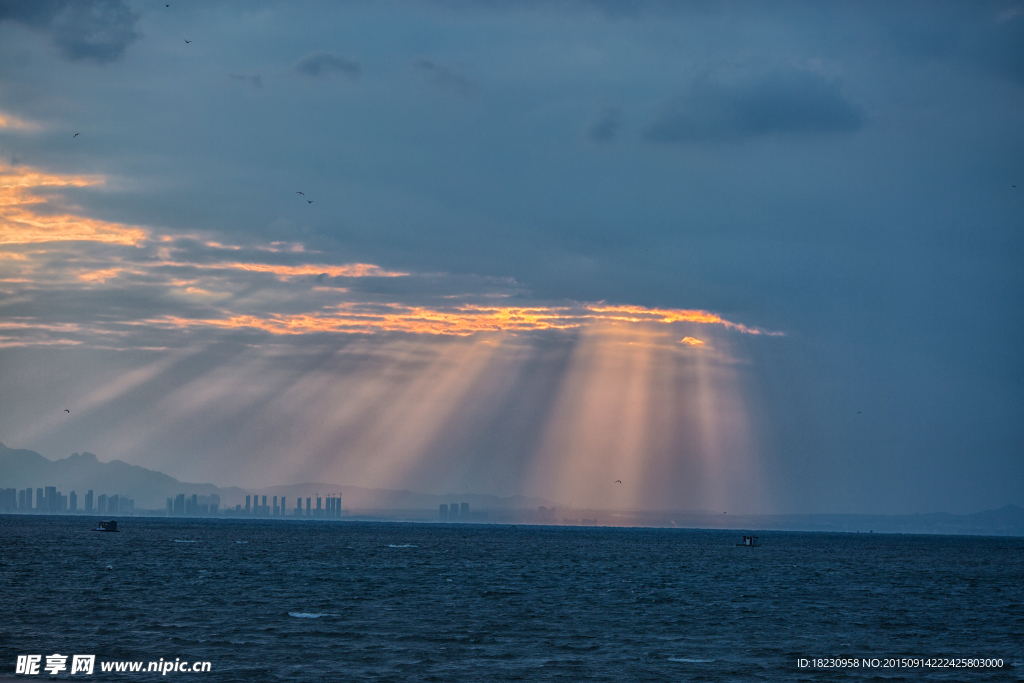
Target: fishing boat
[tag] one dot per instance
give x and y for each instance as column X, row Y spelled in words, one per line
column 750, row 542
column 107, row 526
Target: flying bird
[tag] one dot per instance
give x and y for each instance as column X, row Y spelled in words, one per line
column 74, row 136
column 187, row 41
column 309, row 201
column 302, row 193
column 66, row 410
column 618, row 481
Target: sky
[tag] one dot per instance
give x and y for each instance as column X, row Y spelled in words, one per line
column 738, row 256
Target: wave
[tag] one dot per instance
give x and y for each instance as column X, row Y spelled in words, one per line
column 693, row 660
column 404, row 545
column 310, row 615
column 178, row 541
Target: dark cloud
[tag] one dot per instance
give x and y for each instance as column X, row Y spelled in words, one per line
column 96, row 30
column 319, row 64
column 606, row 126
column 445, row 78
column 782, row 102
column 252, row 80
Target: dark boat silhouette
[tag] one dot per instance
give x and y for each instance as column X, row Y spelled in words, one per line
column 750, row 542
column 107, row 526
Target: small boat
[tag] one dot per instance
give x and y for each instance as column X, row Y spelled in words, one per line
column 107, row 526
column 750, row 542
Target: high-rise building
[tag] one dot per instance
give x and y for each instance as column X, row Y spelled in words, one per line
column 179, row 504
column 442, row 512
column 195, row 504
column 113, row 504
column 214, row 503
column 453, row 511
column 72, row 502
column 298, row 506
column 247, row 508
column 464, row 511
column 318, row 509
column 282, row 506
column 88, row 501
column 40, row 501
column 28, row 499
column 21, row 499
column 170, row 507
column 275, row 506
column 52, row 499
column 101, row 504
column 264, row 510
column 308, row 513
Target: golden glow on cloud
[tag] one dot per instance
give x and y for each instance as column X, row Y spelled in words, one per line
column 191, row 287
column 14, row 123
column 20, row 224
column 346, row 270
column 460, row 321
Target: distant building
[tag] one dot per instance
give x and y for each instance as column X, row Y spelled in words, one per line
column 40, row 501
column 453, row 512
column 307, row 507
column 52, row 499
column 72, row 502
column 247, row 508
column 464, row 511
column 442, row 512
column 88, row 501
column 101, row 504
column 282, row 506
column 179, row 504
column 170, row 507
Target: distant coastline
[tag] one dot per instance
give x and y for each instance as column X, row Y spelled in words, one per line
column 149, row 492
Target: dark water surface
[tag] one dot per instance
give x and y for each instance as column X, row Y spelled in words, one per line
column 349, row 601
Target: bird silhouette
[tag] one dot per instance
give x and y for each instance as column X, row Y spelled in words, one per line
column 74, row 136
column 187, row 41
column 302, row 193
column 618, row 481
column 66, row 410
column 309, row 201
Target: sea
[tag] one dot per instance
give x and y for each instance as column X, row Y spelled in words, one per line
column 326, row 600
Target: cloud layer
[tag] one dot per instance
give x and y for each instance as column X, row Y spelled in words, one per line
column 791, row 102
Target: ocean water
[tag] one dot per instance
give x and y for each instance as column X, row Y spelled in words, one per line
column 350, row 601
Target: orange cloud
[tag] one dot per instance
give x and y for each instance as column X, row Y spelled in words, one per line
column 20, row 224
column 346, row 270
column 14, row 123
column 461, row 321
column 691, row 341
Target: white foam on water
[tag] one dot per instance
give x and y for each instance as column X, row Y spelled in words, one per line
column 177, row 541
column 310, row 615
column 241, row 541
column 405, row 545
column 692, row 660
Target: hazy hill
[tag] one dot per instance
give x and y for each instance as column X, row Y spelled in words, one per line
column 21, row 468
